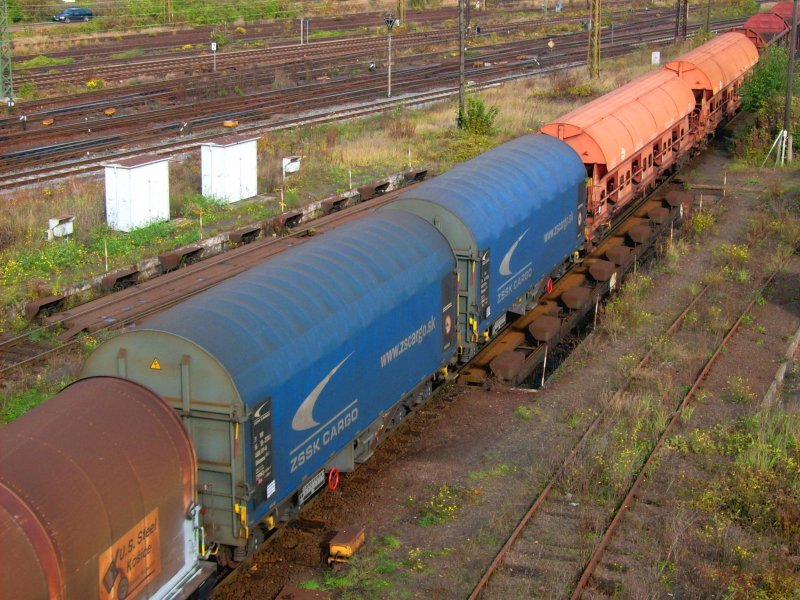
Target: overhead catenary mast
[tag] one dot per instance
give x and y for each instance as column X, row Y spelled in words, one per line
column 594, row 39
column 681, row 19
column 6, row 81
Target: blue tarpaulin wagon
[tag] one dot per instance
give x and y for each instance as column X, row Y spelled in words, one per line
column 294, row 367
column 512, row 215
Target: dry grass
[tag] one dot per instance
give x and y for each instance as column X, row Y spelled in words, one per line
column 25, row 219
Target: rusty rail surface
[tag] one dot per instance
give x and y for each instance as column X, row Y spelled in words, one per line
column 643, row 472
column 635, row 486
column 540, row 499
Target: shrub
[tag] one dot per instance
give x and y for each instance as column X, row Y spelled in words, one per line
column 27, row 91
column 478, row 119
column 702, row 223
column 767, row 79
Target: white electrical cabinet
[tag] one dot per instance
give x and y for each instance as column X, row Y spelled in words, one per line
column 137, row 192
column 230, row 168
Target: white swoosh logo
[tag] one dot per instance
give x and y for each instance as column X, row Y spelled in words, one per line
column 304, row 418
column 257, row 414
column 505, row 266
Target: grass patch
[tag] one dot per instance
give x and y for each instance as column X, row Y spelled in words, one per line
column 17, row 403
column 750, row 505
column 702, row 223
column 498, row 471
column 715, row 321
column 41, row 62
column 524, row 412
column 738, row 390
column 617, row 457
column 624, row 312
column 370, row 573
column 391, row 541
column 417, row 559
column 132, row 53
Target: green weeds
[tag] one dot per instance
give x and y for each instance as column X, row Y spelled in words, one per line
column 576, row 418
column 524, row 412
column 478, row 120
column 418, row 558
column 498, row 471
column 756, row 491
column 617, row 458
column 624, row 311
column 41, row 62
column 442, row 506
column 702, row 223
column 732, row 259
column 14, row 404
column 738, row 390
column 715, row 321
column 128, row 54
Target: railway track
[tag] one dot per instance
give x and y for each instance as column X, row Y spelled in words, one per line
column 339, row 53
column 161, row 64
column 363, row 95
column 283, row 31
column 132, row 304
column 564, row 542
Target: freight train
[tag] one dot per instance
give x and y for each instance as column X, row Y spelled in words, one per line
column 187, row 439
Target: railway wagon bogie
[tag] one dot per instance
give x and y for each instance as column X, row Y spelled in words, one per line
column 513, row 216
column 296, row 366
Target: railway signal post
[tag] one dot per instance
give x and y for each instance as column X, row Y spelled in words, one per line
column 390, row 21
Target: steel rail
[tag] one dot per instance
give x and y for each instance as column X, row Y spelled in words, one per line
column 18, row 177
column 114, row 69
column 299, row 58
column 643, row 471
column 580, row 444
column 260, row 251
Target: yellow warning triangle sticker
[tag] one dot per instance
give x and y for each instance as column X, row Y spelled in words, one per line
column 155, row 365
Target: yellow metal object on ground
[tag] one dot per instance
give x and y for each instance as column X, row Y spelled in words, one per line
column 344, row 544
